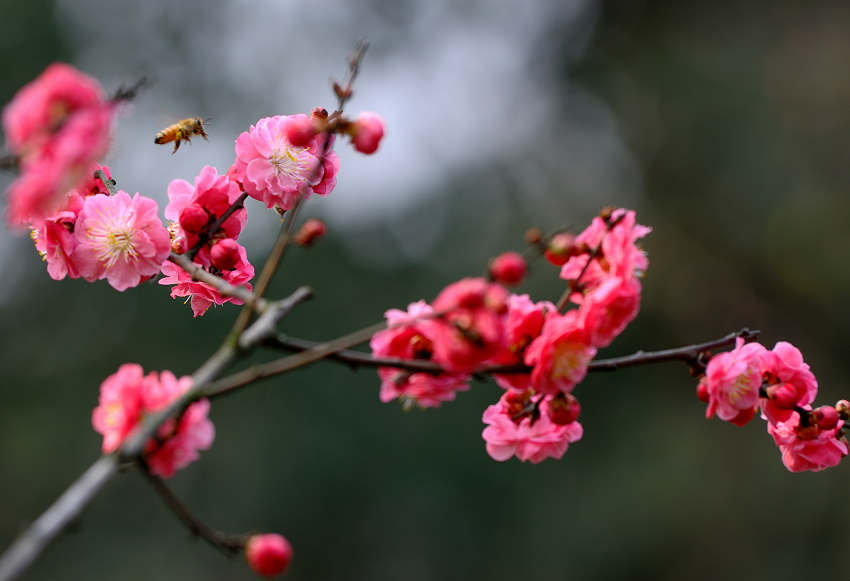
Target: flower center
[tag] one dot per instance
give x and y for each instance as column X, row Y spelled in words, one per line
column 289, row 161
column 568, row 357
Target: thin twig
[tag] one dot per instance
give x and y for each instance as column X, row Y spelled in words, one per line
column 228, row 543
column 129, row 92
column 9, row 162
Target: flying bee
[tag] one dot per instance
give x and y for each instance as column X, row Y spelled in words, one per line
column 182, row 130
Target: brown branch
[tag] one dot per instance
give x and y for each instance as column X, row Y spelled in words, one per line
column 286, row 230
column 229, row 543
column 110, row 184
column 693, row 355
column 129, row 92
column 9, row 162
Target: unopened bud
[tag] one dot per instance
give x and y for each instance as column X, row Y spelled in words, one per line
column 367, row 132
column 300, row 131
column 702, row 392
column 784, row 395
column 225, row 254
column 268, row 555
column 193, row 218
column 826, row 417
column 508, row 268
column 533, row 235
column 564, row 409
column 560, row 248
column 842, row 406
column 311, row 231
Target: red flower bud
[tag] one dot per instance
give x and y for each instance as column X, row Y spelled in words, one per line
column 702, row 392
column 508, row 268
column 826, row 417
column 300, row 131
column 783, row 395
column 367, row 132
column 193, row 218
column 560, row 248
column 311, row 231
column 269, row 554
column 564, row 409
column 225, row 254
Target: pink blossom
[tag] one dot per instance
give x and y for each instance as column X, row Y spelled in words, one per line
column 522, row 325
column 367, row 132
column 121, row 405
column 274, row 171
column 607, row 309
column 120, row 239
column 469, row 331
column 195, row 207
column 127, row 396
column 509, row 268
column 182, row 439
column 54, row 239
column 203, row 295
column 560, row 354
column 807, row 447
column 784, row 365
column 529, row 435
column 732, row 380
column 618, row 255
column 41, row 107
column 411, row 342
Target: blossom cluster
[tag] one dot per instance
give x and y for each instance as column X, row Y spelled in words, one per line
column 738, row 383
column 57, row 126
column 536, row 353
column 128, row 395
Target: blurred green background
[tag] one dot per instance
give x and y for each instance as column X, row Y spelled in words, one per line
column 724, row 124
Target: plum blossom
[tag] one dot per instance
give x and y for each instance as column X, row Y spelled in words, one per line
column 732, row 381
column 202, row 295
column 119, row 239
column 560, row 354
column 54, row 237
column 807, row 447
column 522, row 324
column 274, row 171
column 521, row 426
column 784, row 367
column 608, row 308
column 407, row 339
column 469, row 330
column 195, row 207
column 58, row 125
column 127, row 395
column 509, row 268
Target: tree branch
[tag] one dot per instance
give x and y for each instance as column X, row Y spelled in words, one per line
column 691, row 354
column 228, row 543
column 218, row 283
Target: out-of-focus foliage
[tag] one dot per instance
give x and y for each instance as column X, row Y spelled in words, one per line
column 735, row 120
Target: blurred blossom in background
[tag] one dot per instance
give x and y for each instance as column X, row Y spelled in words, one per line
column 724, row 125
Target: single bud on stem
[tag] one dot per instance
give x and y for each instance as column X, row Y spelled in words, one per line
column 367, row 132
column 268, row 555
column 826, row 417
column 311, row 231
column 561, row 247
column 534, row 235
column 508, row 268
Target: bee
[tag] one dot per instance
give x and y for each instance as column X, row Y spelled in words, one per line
column 182, row 130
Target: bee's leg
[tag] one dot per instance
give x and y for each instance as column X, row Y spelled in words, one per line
column 204, row 135
column 176, row 146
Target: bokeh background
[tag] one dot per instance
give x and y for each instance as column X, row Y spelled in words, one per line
column 723, row 123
